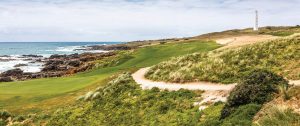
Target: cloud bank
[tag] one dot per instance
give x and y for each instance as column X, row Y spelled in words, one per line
column 126, row 20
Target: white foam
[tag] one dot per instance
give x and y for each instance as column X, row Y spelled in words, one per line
column 32, row 67
column 16, row 59
column 77, row 49
column 13, row 60
column 69, row 48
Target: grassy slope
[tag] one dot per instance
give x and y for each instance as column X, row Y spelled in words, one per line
column 269, row 30
column 122, row 102
column 281, row 110
column 280, row 56
column 32, row 93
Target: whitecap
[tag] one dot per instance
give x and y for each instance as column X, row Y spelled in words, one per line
column 69, row 48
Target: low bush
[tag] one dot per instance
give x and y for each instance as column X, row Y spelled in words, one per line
column 163, row 42
column 3, row 122
column 242, row 116
column 257, row 87
column 19, row 118
column 281, row 33
column 210, row 116
column 4, row 115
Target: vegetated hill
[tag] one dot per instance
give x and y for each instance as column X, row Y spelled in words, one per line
column 122, row 102
column 268, row 30
column 281, row 56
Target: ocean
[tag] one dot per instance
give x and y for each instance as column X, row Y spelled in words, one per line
column 11, row 52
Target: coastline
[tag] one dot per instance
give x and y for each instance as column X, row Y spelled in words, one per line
column 32, row 66
column 30, row 56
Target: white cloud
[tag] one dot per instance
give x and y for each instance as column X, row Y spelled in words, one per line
column 124, row 20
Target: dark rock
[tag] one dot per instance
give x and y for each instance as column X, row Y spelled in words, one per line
column 76, row 55
column 6, row 60
column 50, row 67
column 32, row 56
column 74, row 63
column 28, row 59
column 5, row 56
column 5, row 79
column 38, row 60
column 13, row 72
column 111, row 47
column 20, row 65
column 59, row 65
column 56, row 56
column 54, row 62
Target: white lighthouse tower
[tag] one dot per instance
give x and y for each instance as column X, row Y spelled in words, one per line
column 255, row 28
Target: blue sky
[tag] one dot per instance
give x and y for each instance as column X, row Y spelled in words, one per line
column 126, row 20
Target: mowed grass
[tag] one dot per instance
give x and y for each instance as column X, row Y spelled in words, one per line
column 40, row 93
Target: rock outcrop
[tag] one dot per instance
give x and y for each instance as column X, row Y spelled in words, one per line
column 112, row 47
column 57, row 66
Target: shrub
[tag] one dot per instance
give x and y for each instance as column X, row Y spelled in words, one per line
column 257, row 87
column 242, row 116
column 283, row 89
column 3, row 122
column 4, row 115
column 162, row 42
column 210, row 116
column 282, row 33
column 19, row 118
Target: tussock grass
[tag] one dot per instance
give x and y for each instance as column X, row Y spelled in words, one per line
column 279, row 116
column 281, row 56
column 123, row 102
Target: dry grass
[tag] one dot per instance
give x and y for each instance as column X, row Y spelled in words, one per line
column 281, row 111
column 281, row 56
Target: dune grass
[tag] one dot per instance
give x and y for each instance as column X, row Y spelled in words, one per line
column 34, row 95
column 123, row 102
column 279, row 116
column 281, row 56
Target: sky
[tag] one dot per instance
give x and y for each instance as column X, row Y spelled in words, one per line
column 128, row 20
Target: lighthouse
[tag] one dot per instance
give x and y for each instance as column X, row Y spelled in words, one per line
column 255, row 28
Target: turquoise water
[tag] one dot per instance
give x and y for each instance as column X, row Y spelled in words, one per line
column 44, row 48
column 11, row 53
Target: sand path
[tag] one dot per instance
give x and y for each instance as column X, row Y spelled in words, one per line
column 233, row 42
column 139, row 78
column 213, row 92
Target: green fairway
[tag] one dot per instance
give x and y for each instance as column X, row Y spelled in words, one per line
column 16, row 95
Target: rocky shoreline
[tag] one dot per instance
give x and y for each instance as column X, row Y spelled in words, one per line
column 64, row 65
column 54, row 66
column 59, row 65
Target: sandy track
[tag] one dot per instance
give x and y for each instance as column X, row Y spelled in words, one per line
column 139, row 78
column 232, row 42
column 213, row 92
column 294, row 82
